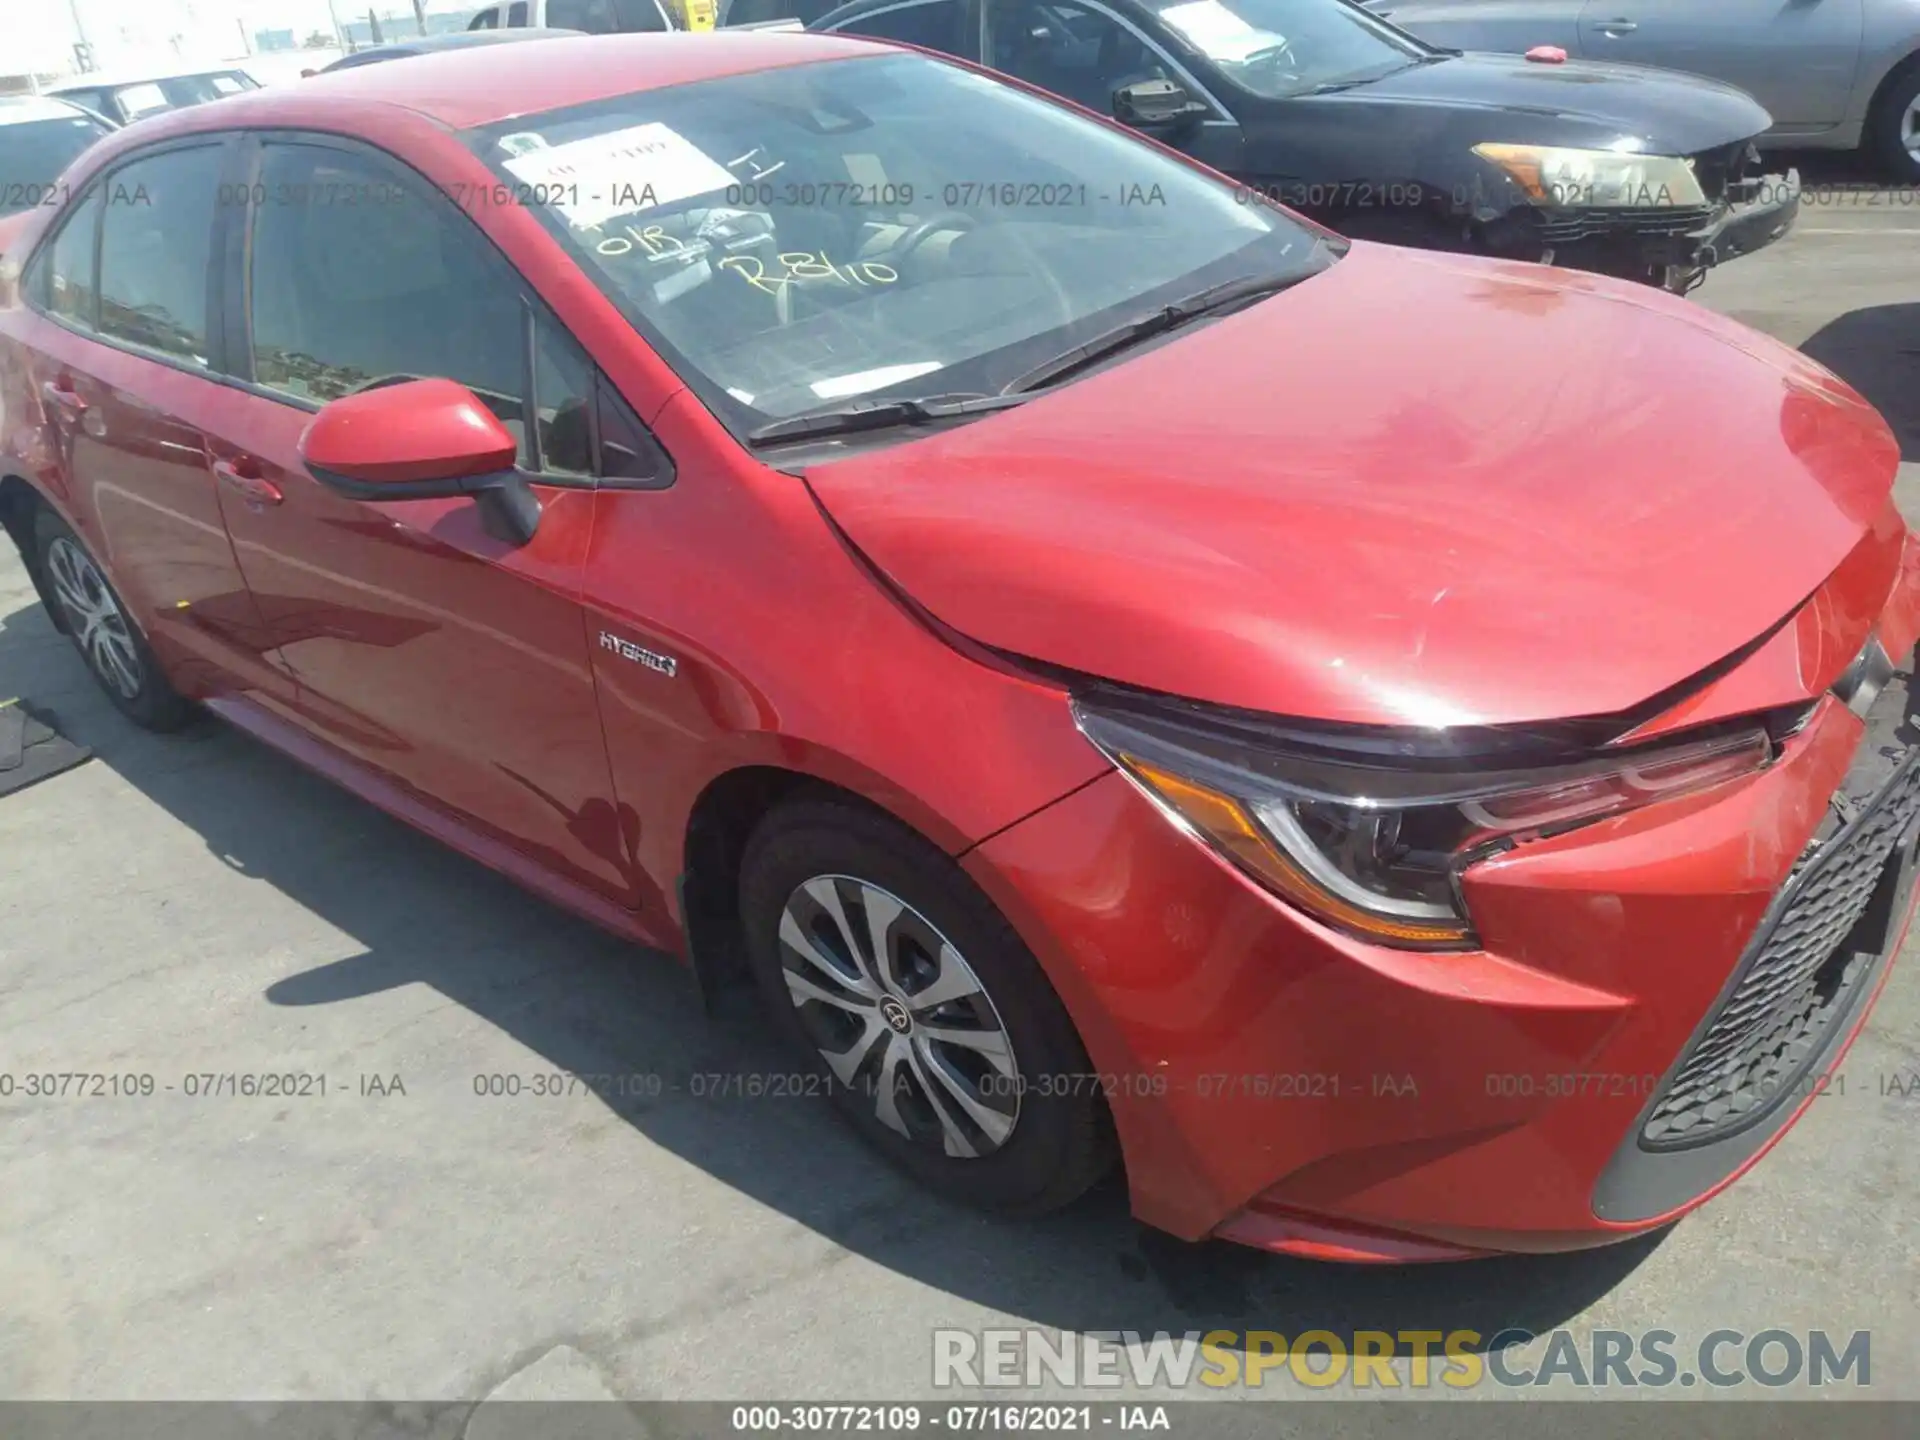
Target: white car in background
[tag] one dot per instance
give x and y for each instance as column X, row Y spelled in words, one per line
column 39, row 138
column 126, row 98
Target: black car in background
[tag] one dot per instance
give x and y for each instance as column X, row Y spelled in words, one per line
column 39, row 138
column 1645, row 174
column 433, row 45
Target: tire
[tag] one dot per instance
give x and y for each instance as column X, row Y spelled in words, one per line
column 1039, row 1138
column 1893, row 128
column 103, row 630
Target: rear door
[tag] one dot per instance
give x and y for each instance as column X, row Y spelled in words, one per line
column 454, row 662
column 125, row 354
column 1796, row 57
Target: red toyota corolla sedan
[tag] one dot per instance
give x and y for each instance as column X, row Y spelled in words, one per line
column 1407, row 754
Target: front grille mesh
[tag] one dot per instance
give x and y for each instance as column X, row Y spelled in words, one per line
column 1564, row 229
column 1802, row 978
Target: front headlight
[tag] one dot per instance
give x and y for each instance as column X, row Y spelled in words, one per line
column 1597, row 179
column 1370, row 830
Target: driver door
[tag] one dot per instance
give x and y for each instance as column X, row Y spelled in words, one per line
column 450, row 660
column 1084, row 52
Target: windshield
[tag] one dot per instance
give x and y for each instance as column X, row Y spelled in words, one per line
column 33, row 153
column 1278, row 48
column 874, row 227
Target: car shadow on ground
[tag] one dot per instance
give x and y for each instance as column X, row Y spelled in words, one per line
column 589, row 1004
column 1877, row 351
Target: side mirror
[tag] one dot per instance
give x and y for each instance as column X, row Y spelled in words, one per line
column 1151, row 104
column 422, row 440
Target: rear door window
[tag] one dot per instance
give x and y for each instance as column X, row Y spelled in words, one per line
column 156, row 236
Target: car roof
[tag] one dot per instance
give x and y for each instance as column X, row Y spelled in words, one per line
column 483, row 84
column 117, row 79
column 23, row 109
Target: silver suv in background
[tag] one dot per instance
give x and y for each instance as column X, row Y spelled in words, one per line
column 1834, row 74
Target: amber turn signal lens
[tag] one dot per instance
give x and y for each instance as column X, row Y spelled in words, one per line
column 1224, row 824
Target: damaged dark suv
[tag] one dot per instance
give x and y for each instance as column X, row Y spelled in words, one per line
column 1639, row 173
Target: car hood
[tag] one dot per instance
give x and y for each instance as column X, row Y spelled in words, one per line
column 1415, row 489
column 1667, row 112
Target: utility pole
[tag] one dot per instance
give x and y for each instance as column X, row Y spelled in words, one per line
column 83, row 51
column 420, row 15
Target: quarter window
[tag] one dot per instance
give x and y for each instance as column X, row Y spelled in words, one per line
column 156, row 233
column 563, row 400
column 64, row 284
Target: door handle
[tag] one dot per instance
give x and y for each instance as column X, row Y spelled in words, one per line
column 62, row 398
column 254, row 487
column 1616, row 27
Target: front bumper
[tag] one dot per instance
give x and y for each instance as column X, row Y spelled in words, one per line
column 1279, row 1084
column 1652, row 243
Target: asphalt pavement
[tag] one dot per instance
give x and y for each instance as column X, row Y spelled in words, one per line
column 199, row 906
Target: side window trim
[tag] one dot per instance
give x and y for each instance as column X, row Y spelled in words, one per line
column 234, row 282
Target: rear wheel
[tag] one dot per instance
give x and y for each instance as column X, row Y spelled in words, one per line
column 102, row 629
column 920, row 1010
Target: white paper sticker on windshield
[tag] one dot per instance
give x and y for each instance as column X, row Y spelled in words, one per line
column 1217, row 31
column 842, row 386
column 621, row 173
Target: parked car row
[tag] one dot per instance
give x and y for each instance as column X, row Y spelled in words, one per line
column 1644, row 174
column 1555, row 153
column 1406, row 755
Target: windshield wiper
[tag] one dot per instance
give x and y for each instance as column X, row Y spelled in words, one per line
column 1167, row 317
column 1334, row 86
column 879, row 415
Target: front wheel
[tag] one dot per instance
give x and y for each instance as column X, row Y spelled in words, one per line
column 920, row 1010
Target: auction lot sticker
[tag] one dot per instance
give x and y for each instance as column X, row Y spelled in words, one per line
column 621, row 173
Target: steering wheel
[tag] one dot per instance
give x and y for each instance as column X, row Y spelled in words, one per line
column 903, row 248
column 1279, row 56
